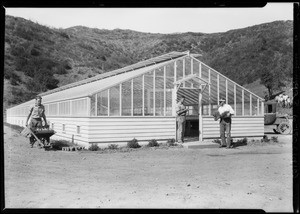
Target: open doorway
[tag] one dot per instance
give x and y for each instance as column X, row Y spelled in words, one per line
column 192, row 118
column 192, row 87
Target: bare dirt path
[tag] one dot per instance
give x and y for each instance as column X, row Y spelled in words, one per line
column 247, row 177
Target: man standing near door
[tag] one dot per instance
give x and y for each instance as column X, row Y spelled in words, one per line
column 181, row 114
column 225, row 112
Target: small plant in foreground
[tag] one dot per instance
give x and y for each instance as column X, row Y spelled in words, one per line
column 94, row 147
column 171, row 142
column 265, row 139
column 113, row 146
column 245, row 140
column 133, row 143
column 274, row 139
column 152, row 143
column 242, row 141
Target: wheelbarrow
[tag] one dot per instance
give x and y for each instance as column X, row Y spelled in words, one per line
column 40, row 135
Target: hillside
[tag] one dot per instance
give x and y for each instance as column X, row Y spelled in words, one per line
column 39, row 58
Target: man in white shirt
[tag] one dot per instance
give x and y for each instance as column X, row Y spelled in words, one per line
column 225, row 112
column 181, row 113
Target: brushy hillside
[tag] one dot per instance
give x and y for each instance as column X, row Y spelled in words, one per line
column 39, row 58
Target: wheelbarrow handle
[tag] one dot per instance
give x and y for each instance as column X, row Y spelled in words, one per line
column 37, row 139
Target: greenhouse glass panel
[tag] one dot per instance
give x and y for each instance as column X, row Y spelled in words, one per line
column 179, row 69
column 246, row 103
column 230, row 99
column 79, row 107
column 222, row 87
column 259, row 108
column 64, row 108
column 53, row 109
column 102, row 103
column 126, row 98
column 159, row 92
column 196, row 66
column 148, row 94
column 239, row 107
column 170, row 70
column 169, row 88
column 138, row 96
column 255, row 108
column 114, row 101
column 93, row 105
column 187, row 70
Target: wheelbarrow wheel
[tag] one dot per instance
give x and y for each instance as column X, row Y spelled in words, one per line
column 284, row 128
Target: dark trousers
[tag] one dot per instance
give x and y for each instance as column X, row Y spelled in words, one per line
column 225, row 132
column 35, row 123
column 180, row 128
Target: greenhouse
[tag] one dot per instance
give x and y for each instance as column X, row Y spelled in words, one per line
column 138, row 101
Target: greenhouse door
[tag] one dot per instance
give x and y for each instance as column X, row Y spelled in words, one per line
column 192, row 119
column 193, row 101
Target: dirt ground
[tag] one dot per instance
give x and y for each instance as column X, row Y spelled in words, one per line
column 246, row 177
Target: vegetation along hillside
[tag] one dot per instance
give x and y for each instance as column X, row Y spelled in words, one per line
column 39, row 58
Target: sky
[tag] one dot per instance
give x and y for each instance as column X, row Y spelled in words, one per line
column 157, row 20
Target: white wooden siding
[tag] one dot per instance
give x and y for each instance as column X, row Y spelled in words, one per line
column 122, row 129
column 241, row 127
column 127, row 128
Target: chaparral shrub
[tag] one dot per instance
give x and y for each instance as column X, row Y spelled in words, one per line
column 94, row 147
column 133, row 143
column 152, row 143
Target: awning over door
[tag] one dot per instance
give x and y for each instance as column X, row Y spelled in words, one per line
column 191, row 93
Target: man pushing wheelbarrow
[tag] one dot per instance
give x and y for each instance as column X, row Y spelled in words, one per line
column 35, row 129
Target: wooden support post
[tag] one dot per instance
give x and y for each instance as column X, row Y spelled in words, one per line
column 218, row 88
column 250, row 102
column 243, row 103
column 192, row 72
column 96, row 105
column 131, row 104
column 183, row 71
column 120, row 99
column 200, row 117
column 209, row 93
column 257, row 111
column 108, row 102
column 165, row 101
column 226, row 90
column 143, row 92
column 234, row 98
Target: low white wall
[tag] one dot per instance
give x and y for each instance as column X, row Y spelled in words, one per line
column 108, row 129
column 245, row 126
column 120, row 129
column 123, row 129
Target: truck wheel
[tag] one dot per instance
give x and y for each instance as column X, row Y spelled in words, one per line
column 284, row 128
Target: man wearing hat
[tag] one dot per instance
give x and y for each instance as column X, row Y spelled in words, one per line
column 36, row 113
column 225, row 112
column 181, row 113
